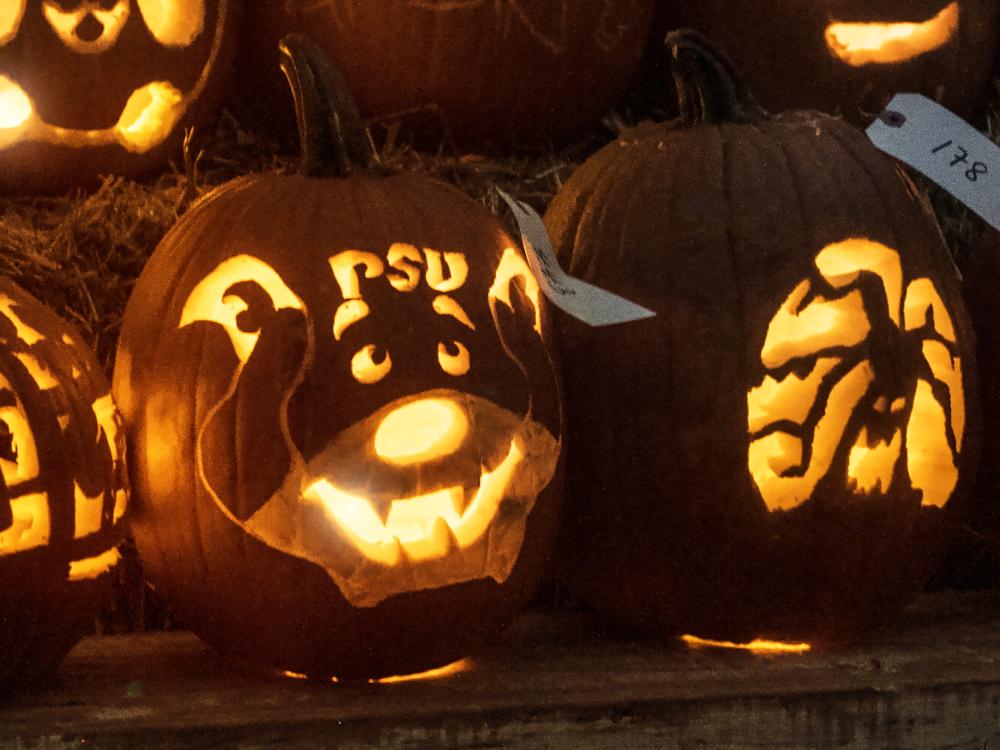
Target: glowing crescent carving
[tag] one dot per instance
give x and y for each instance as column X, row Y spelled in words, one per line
column 211, row 301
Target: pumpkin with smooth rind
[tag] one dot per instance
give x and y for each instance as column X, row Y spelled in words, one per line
column 778, row 453
column 484, row 73
column 344, row 422
column 851, row 57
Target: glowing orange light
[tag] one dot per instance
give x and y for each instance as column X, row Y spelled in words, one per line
column 860, row 44
column 438, row 673
column 456, row 667
column 421, row 431
column 757, row 646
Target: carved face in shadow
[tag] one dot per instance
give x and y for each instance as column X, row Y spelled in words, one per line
column 862, row 384
column 61, row 479
column 381, row 420
column 92, row 73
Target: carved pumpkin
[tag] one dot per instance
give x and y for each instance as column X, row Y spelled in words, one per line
column 493, row 72
column 774, row 454
column 94, row 87
column 852, row 56
column 344, row 417
column 62, row 486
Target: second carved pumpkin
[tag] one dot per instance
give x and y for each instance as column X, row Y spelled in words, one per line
column 775, row 453
column 851, row 56
column 484, row 72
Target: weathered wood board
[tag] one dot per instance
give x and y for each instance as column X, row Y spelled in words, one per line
column 555, row 682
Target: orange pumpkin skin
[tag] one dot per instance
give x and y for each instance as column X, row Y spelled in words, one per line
column 82, row 95
column 249, row 599
column 62, row 488
column 263, row 370
column 790, row 64
column 500, row 73
column 979, row 269
column 722, row 228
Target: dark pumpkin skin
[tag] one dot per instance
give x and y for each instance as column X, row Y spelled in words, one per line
column 88, row 92
column 712, row 225
column 261, row 602
column 979, row 270
column 485, row 73
column 783, row 53
column 44, row 608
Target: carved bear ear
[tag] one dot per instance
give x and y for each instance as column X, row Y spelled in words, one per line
column 174, row 23
column 11, row 13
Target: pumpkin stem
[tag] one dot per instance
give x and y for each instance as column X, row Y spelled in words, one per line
column 710, row 88
column 333, row 139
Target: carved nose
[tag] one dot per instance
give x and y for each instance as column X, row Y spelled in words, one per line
column 90, row 29
column 421, row 431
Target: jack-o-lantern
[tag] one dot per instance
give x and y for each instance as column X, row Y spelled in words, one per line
column 62, row 486
column 776, row 454
column 343, row 416
column 851, row 56
column 94, row 87
column 499, row 73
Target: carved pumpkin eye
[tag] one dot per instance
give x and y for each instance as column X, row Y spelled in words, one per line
column 454, row 358
column 371, row 364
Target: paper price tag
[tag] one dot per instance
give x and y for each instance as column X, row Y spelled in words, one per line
column 945, row 148
column 586, row 302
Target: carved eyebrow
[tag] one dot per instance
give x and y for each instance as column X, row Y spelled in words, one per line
column 445, row 305
column 349, row 313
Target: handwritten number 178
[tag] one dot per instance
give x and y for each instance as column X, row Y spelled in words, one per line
column 975, row 170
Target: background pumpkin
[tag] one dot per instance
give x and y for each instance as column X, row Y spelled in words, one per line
column 90, row 89
column 798, row 53
column 62, row 487
column 752, row 462
column 483, row 72
column 284, row 381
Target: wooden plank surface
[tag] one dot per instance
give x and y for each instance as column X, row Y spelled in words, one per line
column 933, row 681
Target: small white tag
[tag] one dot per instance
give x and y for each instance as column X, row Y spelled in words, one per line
column 592, row 305
column 945, row 148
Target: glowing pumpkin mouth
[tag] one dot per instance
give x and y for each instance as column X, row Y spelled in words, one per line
column 383, row 524
column 149, row 116
column 421, row 528
column 859, row 44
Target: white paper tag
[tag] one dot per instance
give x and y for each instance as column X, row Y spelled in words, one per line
column 945, row 148
column 586, row 302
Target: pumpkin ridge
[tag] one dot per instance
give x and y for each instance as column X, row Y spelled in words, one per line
column 741, row 297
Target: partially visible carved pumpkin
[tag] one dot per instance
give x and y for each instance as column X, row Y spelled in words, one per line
column 95, row 87
column 484, row 72
column 851, row 56
column 778, row 453
column 62, row 486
